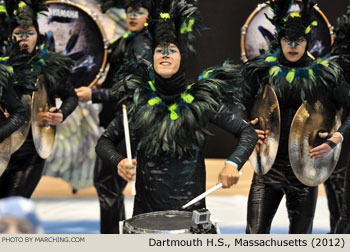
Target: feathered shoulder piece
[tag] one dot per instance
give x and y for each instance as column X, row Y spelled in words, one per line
column 341, row 45
column 232, row 82
column 176, row 129
column 15, row 67
column 175, row 21
column 314, row 81
column 25, row 12
column 55, row 67
column 292, row 24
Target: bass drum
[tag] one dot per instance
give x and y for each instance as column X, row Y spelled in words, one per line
column 258, row 31
column 166, row 222
column 74, row 31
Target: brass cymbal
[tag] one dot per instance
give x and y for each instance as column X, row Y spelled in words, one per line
column 5, row 147
column 307, row 123
column 43, row 134
column 19, row 136
column 267, row 110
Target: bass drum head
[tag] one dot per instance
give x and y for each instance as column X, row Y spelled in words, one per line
column 257, row 27
column 164, row 222
column 74, row 31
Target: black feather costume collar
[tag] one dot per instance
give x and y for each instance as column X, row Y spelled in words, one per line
column 176, row 129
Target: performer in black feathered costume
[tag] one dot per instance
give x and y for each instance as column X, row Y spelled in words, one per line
column 295, row 77
column 168, row 119
column 342, row 207
column 11, row 57
column 25, row 167
column 132, row 46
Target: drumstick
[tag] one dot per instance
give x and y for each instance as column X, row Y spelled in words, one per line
column 128, row 145
column 205, row 194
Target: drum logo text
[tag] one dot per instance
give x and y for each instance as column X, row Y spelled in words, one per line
column 64, row 13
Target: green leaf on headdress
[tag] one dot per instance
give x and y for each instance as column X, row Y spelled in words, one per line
column 290, row 76
column 187, row 27
column 206, row 75
column 22, row 4
column 165, row 15
column 2, row 8
column 10, row 68
column 4, row 58
column 274, row 71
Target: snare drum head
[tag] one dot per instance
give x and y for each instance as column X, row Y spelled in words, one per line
column 161, row 222
column 257, row 27
column 74, row 31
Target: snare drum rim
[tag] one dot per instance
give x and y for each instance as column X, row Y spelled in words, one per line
column 100, row 27
column 137, row 230
column 258, row 9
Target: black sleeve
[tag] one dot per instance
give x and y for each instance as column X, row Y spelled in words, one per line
column 102, row 95
column 69, row 99
column 106, row 147
column 342, row 97
column 248, row 138
column 17, row 113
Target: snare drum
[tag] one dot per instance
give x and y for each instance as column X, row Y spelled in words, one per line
column 257, row 26
column 166, row 222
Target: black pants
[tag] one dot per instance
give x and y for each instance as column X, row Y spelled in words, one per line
column 23, row 172
column 343, row 224
column 334, row 186
column 265, row 195
column 109, row 186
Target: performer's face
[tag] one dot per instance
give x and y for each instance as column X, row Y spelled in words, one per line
column 26, row 37
column 166, row 60
column 293, row 50
column 136, row 19
column 9, row 225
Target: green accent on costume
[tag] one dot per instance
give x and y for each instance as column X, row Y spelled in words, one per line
column 206, row 75
column 22, row 4
column 151, row 84
column 4, row 58
column 323, row 62
column 10, row 68
column 126, row 35
column 173, row 115
column 295, row 14
column 290, row 76
column 274, row 70
column 190, row 86
column 187, row 27
column 308, row 29
column 188, row 98
column 2, row 8
column 270, row 59
column 312, row 74
column 154, row 101
column 165, row 15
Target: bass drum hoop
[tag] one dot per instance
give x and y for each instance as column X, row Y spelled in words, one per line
column 245, row 27
column 103, row 34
